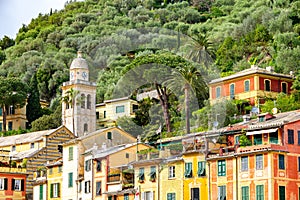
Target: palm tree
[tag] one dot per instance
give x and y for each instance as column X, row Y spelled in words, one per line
column 70, row 99
column 200, row 50
column 190, row 80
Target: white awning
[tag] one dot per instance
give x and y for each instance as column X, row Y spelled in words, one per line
column 272, row 130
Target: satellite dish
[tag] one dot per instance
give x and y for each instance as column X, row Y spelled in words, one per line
column 216, row 123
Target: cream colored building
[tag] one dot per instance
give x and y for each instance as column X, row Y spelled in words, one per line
column 110, row 110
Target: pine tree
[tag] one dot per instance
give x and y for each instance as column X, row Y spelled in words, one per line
column 33, row 108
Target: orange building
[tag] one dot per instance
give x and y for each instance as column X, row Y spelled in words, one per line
column 254, row 84
column 268, row 167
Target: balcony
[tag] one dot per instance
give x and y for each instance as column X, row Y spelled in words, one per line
column 113, row 178
column 12, row 170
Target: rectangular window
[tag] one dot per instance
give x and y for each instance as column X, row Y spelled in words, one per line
column 0, row 111
column 257, row 139
column 126, row 196
column 141, row 174
column 290, row 136
column 10, row 126
column 120, row 109
column 273, row 137
column 259, row 192
column 109, row 135
column 281, row 192
column 218, row 92
column 245, row 193
column 70, row 180
column 244, row 162
column 13, row 148
column 1, row 126
column 281, row 161
column 87, row 187
column 247, row 86
column 60, row 168
column 54, row 190
column 98, row 165
column 31, row 145
column 171, row 196
column 51, row 170
column 231, row 91
column 259, row 161
column 221, row 168
column 222, row 192
column 298, row 164
column 70, row 153
column 188, row 170
column 3, row 184
column 88, row 165
column 17, row 184
column 98, row 188
column 201, row 168
column 97, row 115
column 104, row 114
column 172, row 172
column 284, row 87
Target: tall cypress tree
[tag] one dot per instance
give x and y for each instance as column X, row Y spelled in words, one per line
column 33, row 108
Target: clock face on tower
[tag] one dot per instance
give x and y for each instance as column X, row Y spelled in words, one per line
column 84, row 75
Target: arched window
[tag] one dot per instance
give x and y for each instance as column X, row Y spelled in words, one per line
column 284, row 87
column 267, row 85
column 85, row 128
column 82, row 101
column 247, row 86
column 88, row 101
column 67, row 106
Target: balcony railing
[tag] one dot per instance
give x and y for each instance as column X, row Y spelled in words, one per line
column 13, row 170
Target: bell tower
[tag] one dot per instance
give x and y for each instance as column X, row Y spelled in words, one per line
column 79, row 99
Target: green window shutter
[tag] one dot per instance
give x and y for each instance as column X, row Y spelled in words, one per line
column 70, row 153
column 41, row 192
column 22, row 185
column 70, row 183
column 12, row 184
column 245, row 193
column 58, row 189
column 281, row 161
column 51, row 191
column 201, row 168
column 259, row 192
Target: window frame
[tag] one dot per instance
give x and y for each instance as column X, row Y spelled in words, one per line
column 71, row 153
column 141, row 175
column 245, row 86
column 70, row 179
column 221, row 167
column 221, row 192
column 291, row 136
column 188, row 170
column 281, row 162
column 218, row 92
column 244, row 163
column 201, row 168
column 98, row 166
column 120, row 109
column 171, row 172
column 286, row 87
column 98, row 184
column 265, row 85
column 259, row 163
column 171, row 196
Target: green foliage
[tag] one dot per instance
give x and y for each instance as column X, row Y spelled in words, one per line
column 244, row 141
column 283, row 103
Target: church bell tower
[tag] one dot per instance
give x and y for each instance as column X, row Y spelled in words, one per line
column 79, row 99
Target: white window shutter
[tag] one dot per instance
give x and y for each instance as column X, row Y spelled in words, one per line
column 151, row 196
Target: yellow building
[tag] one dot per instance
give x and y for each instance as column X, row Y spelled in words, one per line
column 195, row 177
column 15, row 118
column 110, row 110
column 54, row 179
column 172, row 174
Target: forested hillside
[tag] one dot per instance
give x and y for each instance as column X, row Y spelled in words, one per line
column 233, row 33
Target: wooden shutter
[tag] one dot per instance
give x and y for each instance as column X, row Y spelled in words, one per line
column 12, row 184
column 5, row 183
column 58, row 189
column 22, row 185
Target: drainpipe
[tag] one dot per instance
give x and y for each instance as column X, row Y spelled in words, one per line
column 237, row 178
column 209, row 198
